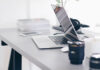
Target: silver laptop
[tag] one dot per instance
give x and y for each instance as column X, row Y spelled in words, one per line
column 58, row 41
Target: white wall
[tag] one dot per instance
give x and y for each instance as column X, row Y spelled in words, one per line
column 87, row 11
column 10, row 11
column 42, row 9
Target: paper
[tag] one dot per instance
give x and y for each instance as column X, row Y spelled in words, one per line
column 33, row 26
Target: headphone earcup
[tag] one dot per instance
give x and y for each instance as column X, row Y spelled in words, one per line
column 75, row 23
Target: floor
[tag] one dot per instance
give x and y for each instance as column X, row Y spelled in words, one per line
column 4, row 60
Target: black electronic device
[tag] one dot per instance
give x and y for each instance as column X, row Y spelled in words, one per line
column 94, row 62
column 76, row 23
column 76, row 52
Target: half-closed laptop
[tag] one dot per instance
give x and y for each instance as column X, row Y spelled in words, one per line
column 58, row 41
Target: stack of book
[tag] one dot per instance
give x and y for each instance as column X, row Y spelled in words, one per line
column 33, row 26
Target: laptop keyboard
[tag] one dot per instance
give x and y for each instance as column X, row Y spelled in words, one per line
column 58, row 39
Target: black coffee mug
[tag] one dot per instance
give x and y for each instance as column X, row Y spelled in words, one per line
column 76, row 52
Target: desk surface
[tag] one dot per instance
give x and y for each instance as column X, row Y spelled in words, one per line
column 49, row 59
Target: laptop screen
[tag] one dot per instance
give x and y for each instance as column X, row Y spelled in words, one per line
column 65, row 22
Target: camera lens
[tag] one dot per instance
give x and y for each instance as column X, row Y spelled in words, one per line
column 95, row 61
column 76, row 52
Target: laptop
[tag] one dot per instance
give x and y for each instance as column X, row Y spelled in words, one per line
column 58, row 41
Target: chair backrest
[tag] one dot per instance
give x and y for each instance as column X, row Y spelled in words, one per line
column 5, row 52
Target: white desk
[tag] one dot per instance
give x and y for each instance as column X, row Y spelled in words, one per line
column 51, row 59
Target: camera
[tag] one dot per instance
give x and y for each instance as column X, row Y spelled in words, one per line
column 76, row 52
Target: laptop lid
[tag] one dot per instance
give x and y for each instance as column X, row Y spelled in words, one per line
column 66, row 24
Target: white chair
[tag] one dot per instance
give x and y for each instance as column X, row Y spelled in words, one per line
column 5, row 52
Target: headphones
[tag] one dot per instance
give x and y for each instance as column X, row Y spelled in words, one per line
column 76, row 23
